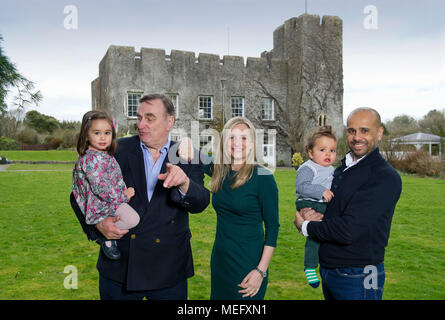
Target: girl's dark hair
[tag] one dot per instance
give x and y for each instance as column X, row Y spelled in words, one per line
column 325, row 131
column 82, row 142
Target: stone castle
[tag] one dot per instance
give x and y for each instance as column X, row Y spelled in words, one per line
column 286, row 93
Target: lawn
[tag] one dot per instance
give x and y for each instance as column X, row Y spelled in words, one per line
column 50, row 155
column 40, row 236
column 41, row 166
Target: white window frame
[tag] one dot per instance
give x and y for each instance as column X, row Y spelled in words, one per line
column 127, row 105
column 176, row 134
column 266, row 145
column 269, row 147
column 201, row 108
column 322, row 120
column 174, row 97
column 270, row 106
column 208, row 146
column 237, row 108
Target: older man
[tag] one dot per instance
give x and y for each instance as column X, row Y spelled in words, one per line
column 355, row 228
column 156, row 257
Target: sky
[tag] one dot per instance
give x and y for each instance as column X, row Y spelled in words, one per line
column 393, row 50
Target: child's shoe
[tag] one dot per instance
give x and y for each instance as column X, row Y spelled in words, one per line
column 109, row 248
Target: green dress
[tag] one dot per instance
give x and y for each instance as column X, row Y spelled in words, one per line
column 240, row 236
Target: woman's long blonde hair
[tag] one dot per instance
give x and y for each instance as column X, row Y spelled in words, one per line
column 222, row 163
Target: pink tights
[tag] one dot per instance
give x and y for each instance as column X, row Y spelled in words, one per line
column 129, row 218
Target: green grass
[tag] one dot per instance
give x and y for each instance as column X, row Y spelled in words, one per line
column 42, row 166
column 50, row 155
column 40, row 236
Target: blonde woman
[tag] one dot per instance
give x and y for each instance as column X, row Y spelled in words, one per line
column 245, row 196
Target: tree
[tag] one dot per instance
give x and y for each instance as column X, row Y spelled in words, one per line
column 40, row 122
column 70, row 125
column 11, row 78
column 402, row 125
column 11, row 122
column 434, row 123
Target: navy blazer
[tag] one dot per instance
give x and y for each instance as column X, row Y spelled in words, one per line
column 156, row 253
column 356, row 225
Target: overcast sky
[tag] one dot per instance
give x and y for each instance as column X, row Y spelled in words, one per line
column 397, row 68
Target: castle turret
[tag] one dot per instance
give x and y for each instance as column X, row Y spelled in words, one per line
column 313, row 52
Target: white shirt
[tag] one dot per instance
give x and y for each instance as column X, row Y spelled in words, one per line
column 350, row 162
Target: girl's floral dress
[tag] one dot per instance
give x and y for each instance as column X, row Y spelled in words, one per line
column 98, row 185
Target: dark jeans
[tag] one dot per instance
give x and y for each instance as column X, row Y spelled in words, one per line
column 112, row 290
column 353, row 283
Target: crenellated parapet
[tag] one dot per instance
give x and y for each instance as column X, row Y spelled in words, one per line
column 158, row 57
column 305, row 30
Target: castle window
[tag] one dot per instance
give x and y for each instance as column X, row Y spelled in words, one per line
column 266, row 145
column 269, row 147
column 237, row 106
column 176, row 134
column 206, row 144
column 132, row 104
column 174, row 97
column 322, row 120
column 205, row 105
column 267, row 109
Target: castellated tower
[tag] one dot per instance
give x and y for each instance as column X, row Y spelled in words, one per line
column 287, row 92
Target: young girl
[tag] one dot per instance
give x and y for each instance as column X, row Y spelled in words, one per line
column 314, row 179
column 98, row 185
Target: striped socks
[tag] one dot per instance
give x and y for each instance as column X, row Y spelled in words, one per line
column 311, row 277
